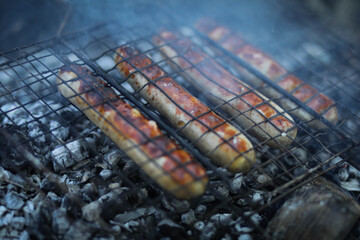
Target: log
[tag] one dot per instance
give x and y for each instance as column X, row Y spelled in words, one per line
column 318, row 210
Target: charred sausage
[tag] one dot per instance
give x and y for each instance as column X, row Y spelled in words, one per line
column 160, row 157
column 274, row 71
column 253, row 111
column 219, row 140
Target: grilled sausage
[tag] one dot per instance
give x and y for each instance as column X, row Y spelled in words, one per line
column 271, row 69
column 263, row 118
column 222, row 142
column 160, row 157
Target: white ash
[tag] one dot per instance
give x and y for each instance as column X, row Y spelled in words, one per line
column 106, row 174
column 2, row 210
column 343, row 174
column 92, row 211
column 60, row 221
column 64, row 157
column 245, row 237
column 351, row 185
column 13, row 201
column 263, row 178
column 258, row 198
column 221, row 219
column 236, row 183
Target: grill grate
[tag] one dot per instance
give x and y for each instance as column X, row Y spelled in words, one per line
column 29, row 100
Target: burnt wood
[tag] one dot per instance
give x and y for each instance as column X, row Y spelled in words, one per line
column 318, row 210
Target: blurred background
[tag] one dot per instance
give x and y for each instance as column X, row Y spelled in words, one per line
column 27, row 21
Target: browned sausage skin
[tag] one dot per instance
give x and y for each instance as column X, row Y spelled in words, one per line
column 222, row 142
column 270, row 68
column 160, row 157
column 264, row 119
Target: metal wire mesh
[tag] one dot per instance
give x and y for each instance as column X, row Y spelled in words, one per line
column 28, row 85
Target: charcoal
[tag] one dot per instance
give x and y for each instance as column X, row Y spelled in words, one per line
column 138, row 213
column 71, row 202
column 221, row 191
column 59, row 132
column 130, row 167
column 91, row 212
column 13, row 201
column 2, row 210
column 351, row 185
column 176, row 205
column 208, row 231
column 106, row 174
column 112, row 204
column 171, row 229
column 316, row 205
column 12, row 179
column 3, row 232
column 207, row 198
column 299, row 171
column 13, row 143
column 226, row 237
column 255, row 217
column 15, row 114
column 6, row 219
column 113, row 157
column 116, row 230
column 79, row 231
column 221, row 219
column 24, row 236
column 114, row 185
column 236, row 183
column 64, row 157
column 242, row 229
column 245, row 237
column 18, row 223
column 86, row 176
column 188, row 218
column 48, row 184
column 53, row 197
column 263, row 178
column 258, row 198
column 36, row 133
column 60, row 222
column 199, row 225
column 13, row 234
column 131, row 226
column 343, row 174
column 90, row 192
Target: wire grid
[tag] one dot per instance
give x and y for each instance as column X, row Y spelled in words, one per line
column 31, row 78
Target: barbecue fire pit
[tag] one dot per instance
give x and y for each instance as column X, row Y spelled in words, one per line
column 63, row 178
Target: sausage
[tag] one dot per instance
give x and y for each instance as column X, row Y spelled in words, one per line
column 262, row 118
column 216, row 138
column 160, row 157
column 274, row 71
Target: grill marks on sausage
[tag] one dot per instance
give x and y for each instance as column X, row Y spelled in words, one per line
column 263, row 63
column 190, row 104
column 260, row 61
column 216, row 74
column 98, row 95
